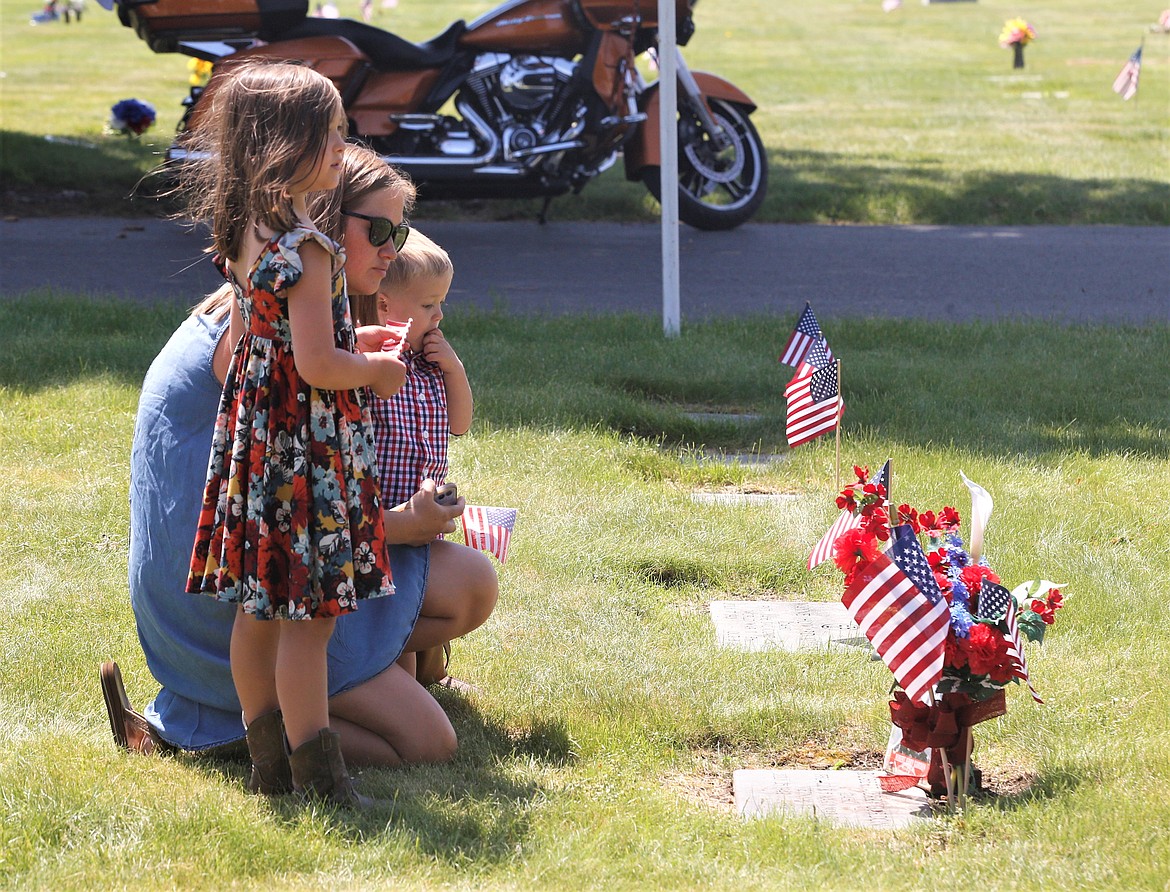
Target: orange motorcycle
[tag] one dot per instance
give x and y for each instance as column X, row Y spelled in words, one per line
column 535, row 98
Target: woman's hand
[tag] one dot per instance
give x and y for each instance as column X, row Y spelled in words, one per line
column 422, row 519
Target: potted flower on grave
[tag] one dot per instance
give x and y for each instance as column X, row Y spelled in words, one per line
column 1017, row 34
column 941, row 619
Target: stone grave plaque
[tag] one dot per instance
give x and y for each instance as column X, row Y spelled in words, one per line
column 741, row 499
column 844, row 798
column 785, row 625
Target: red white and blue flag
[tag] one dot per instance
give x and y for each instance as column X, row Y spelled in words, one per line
column 1126, row 85
column 814, row 404
column 997, row 602
column 905, row 625
column 489, row 529
column 806, row 333
column 845, row 522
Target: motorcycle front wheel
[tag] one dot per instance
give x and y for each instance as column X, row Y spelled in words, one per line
column 717, row 189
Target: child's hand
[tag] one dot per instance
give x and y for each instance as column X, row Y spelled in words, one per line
column 372, row 338
column 436, row 349
column 389, row 374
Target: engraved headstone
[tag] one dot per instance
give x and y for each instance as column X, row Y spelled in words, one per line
column 741, row 499
column 843, row 798
column 785, row 625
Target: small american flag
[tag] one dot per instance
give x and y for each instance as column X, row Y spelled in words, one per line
column 400, row 330
column 906, row 627
column 995, row 602
column 814, row 404
column 489, row 529
column 1126, row 85
column 845, row 522
column 806, row 333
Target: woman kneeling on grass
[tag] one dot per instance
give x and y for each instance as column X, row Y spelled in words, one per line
column 443, row 589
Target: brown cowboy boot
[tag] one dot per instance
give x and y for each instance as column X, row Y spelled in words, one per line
column 318, row 772
column 271, row 774
column 131, row 730
column 431, row 664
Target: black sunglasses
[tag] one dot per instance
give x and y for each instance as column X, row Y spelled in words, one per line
column 382, row 229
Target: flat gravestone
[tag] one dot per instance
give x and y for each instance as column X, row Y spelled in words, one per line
column 741, row 499
column 785, row 625
column 844, row 798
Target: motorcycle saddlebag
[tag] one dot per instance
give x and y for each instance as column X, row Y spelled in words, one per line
column 163, row 24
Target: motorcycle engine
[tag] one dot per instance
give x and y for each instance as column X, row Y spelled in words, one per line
column 523, row 97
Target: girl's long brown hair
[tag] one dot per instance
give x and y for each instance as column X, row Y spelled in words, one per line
column 267, row 125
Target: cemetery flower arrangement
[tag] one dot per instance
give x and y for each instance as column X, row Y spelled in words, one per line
column 131, row 117
column 1016, row 31
column 983, row 649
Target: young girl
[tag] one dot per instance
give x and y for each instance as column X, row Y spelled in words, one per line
column 291, row 523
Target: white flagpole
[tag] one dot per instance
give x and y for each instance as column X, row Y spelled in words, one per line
column 668, row 139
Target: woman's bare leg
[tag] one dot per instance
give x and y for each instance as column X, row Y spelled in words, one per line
column 391, row 720
column 461, row 593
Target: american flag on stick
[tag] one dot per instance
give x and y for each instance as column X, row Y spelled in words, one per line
column 814, row 397
column 995, row 601
column 489, row 529
column 400, row 330
column 906, row 626
column 1126, row 85
column 845, row 522
column 804, row 336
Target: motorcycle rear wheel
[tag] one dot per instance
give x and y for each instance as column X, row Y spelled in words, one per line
column 716, row 189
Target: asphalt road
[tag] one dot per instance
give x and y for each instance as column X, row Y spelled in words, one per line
column 1102, row 274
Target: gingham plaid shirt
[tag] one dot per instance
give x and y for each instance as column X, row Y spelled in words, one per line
column 411, row 430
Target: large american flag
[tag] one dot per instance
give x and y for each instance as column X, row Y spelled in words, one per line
column 995, row 602
column 1126, row 85
column 806, row 333
column 845, row 522
column 814, row 398
column 906, row 626
column 489, row 529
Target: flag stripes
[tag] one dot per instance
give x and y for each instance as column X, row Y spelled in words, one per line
column 489, row 529
column 905, row 628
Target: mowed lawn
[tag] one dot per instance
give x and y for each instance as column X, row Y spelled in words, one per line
column 599, row 750
column 914, row 116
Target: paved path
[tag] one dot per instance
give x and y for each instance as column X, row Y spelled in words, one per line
column 1107, row 274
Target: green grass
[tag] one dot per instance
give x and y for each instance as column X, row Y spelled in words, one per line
column 909, row 117
column 609, row 719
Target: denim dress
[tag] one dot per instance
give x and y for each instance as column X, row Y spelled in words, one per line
column 185, row 639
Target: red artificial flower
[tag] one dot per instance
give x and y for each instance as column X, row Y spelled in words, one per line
column 986, row 650
column 937, row 559
column 1046, row 608
column 927, row 521
column 973, row 576
column 948, row 519
column 944, row 584
column 909, row 515
column 852, row 551
column 876, row 523
column 954, row 655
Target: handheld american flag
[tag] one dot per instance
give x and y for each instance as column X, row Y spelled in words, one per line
column 907, row 627
column 806, row 333
column 814, row 399
column 1126, row 85
column 400, row 330
column 489, row 529
column 845, row 522
column 997, row 602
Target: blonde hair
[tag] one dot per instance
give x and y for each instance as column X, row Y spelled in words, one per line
column 419, row 258
column 267, row 123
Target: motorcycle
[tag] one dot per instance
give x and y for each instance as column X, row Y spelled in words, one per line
column 533, row 99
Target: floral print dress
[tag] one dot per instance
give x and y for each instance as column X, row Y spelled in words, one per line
column 291, row 523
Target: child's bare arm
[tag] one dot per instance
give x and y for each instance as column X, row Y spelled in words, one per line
column 460, row 403
column 319, row 361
